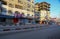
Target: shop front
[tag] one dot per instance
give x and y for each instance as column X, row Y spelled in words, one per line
column 2, row 21
column 5, row 19
column 17, row 19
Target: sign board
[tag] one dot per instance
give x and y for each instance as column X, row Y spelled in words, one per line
column 18, row 15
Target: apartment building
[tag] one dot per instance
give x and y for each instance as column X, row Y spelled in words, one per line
column 24, row 7
column 44, row 9
column 0, row 6
column 21, row 6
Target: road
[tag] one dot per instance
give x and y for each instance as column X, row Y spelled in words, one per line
column 48, row 33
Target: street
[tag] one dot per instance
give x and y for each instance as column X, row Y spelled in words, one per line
column 29, row 19
column 48, row 33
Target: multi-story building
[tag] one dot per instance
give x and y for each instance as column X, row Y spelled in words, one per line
column 21, row 6
column 0, row 6
column 12, row 7
column 44, row 9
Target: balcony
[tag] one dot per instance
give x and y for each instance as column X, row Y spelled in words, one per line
column 11, row 5
column 18, row 6
column 5, row 6
column 4, row 2
column 19, row 3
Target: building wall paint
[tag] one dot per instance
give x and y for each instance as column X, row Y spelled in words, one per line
column 42, row 8
column 24, row 5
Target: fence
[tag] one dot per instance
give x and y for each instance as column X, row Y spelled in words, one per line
column 20, row 27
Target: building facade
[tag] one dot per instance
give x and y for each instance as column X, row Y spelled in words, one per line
column 22, row 6
column 44, row 9
column 12, row 7
column 0, row 6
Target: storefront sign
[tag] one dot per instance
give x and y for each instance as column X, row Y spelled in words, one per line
column 15, row 15
column 18, row 15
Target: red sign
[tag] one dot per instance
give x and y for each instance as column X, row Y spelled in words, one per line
column 15, row 20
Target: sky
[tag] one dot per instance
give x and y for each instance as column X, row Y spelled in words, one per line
column 55, row 7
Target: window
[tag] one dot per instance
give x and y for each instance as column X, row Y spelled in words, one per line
column 11, row 5
column 28, row 10
column 16, row 12
column 2, row 19
column 0, row 9
column 22, row 13
column 37, row 14
column 28, row 0
column 29, row 5
column 29, row 21
column 12, row 0
column 28, row 14
column 0, row 3
column 3, row 2
column 19, row 1
column 32, row 10
column 18, row 6
column 32, row 15
column 32, row 2
column 4, row 9
column 10, row 12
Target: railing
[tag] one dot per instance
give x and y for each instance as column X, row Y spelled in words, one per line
column 20, row 27
column 23, row 28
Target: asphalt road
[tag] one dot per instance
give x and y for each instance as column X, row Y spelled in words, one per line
column 48, row 33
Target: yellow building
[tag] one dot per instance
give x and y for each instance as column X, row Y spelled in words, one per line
column 44, row 9
column 0, row 6
column 24, row 7
column 21, row 6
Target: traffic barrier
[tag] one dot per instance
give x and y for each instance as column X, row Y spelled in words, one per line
column 6, row 29
column 18, row 29
column 21, row 27
column 10, row 28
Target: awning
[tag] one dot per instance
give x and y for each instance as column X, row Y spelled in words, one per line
column 6, row 16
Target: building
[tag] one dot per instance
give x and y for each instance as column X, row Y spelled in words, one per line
column 57, row 20
column 44, row 9
column 37, row 17
column 24, row 7
column 0, row 6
